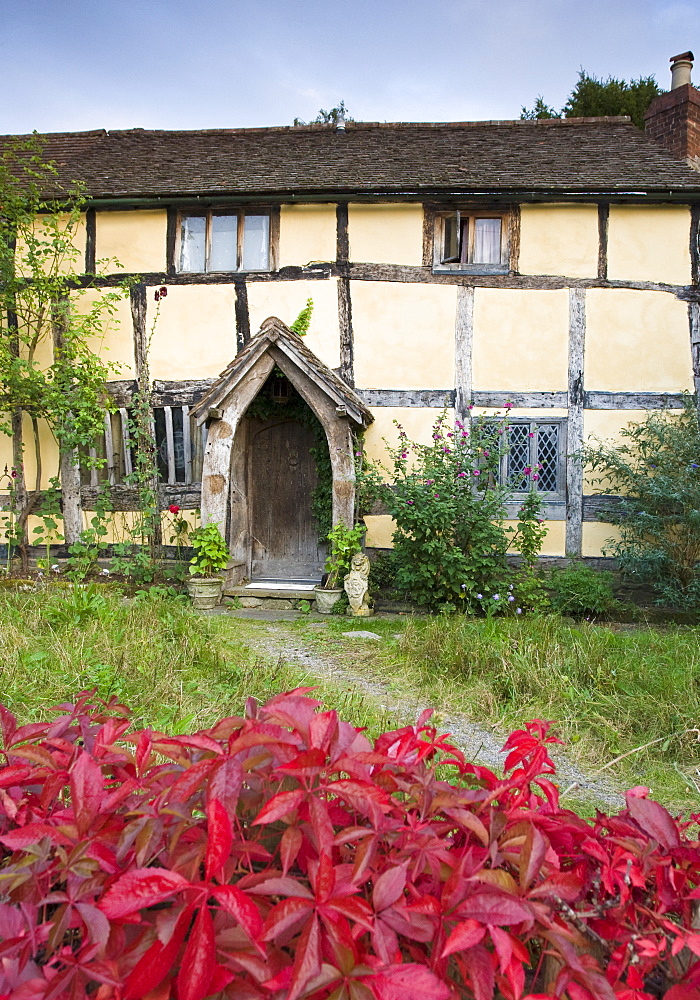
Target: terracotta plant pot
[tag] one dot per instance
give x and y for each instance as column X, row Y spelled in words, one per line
column 326, row 599
column 205, row 591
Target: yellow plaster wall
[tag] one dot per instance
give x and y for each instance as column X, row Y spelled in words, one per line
column 137, row 240
column 195, row 336
column 115, row 344
column 386, row 234
column 417, row 421
column 649, row 243
column 49, row 453
column 380, row 530
column 71, row 265
column 595, row 535
column 605, row 425
column 286, row 299
column 404, row 335
column 307, row 234
column 520, row 339
column 559, row 239
column 554, row 543
column 636, row 341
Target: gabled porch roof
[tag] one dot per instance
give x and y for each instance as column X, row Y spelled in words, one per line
column 273, row 332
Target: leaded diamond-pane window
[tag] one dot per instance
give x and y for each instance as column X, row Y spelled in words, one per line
column 535, row 459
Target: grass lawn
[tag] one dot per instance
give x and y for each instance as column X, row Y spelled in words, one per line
column 609, row 690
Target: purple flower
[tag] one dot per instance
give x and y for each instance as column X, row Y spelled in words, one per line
column 479, row 597
column 409, row 501
column 496, row 597
column 510, row 597
column 518, row 611
column 437, row 496
column 476, row 472
column 535, row 476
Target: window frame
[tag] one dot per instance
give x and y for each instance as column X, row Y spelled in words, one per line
column 436, row 223
column 240, row 212
column 534, row 423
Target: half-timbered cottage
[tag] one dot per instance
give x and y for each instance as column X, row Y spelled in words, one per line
column 552, row 265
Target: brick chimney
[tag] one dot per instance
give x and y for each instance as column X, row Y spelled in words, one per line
column 673, row 119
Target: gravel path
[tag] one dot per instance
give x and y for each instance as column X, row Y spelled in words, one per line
column 275, row 640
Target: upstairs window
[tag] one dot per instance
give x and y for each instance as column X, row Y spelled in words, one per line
column 224, row 241
column 470, row 242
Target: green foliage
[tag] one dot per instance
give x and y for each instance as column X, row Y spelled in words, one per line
column 449, row 543
column 301, row 324
column 77, row 607
column 344, row 544
column 47, row 301
column 581, row 591
column 593, row 97
column 383, row 575
column 656, row 468
column 49, row 515
column 84, row 554
column 528, row 591
column 608, row 689
column 539, row 110
column 211, row 553
column 337, row 114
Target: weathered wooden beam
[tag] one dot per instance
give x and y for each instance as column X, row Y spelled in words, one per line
column 594, row 400
column 403, row 273
column 347, row 344
column 169, row 443
column 109, row 449
column 171, row 242
column 464, row 336
column 695, row 244
column 514, row 239
column 603, row 221
column 342, row 237
column 121, row 497
column 574, row 468
column 526, row 400
column 694, row 324
column 242, row 314
column 90, row 239
column 138, row 318
column 126, row 441
column 407, row 397
column 187, row 443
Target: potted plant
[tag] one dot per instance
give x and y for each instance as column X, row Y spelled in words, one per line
column 344, row 544
column 211, row 555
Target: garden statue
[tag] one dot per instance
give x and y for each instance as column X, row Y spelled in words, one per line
column 357, row 586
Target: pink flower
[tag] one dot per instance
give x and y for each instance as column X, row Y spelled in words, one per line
column 437, row 496
column 527, row 470
column 174, row 509
column 461, row 475
column 409, row 501
column 476, row 472
column 535, row 476
column 486, row 453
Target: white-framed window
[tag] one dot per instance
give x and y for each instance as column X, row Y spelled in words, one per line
column 471, row 241
column 223, row 240
column 536, row 457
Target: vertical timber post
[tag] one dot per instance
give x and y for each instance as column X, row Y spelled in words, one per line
column 464, row 336
column 574, row 467
column 347, row 347
column 69, row 459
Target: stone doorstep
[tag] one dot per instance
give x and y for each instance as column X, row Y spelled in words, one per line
column 271, row 593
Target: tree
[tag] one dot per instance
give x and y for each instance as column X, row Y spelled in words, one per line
column 50, row 315
column 593, row 98
column 337, row 114
column 538, row 110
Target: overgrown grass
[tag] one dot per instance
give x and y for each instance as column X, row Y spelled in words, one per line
column 176, row 670
column 609, row 690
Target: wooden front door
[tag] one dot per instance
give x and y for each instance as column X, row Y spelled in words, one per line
column 282, row 474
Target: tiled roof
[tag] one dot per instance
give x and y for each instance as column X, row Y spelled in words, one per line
column 577, row 155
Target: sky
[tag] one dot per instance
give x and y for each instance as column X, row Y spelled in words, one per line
column 70, row 65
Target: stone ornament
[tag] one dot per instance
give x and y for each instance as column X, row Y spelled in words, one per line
column 356, row 586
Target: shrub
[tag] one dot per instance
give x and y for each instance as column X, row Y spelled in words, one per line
column 579, row 590
column 211, row 553
column 344, row 544
column 657, row 470
column 280, row 855
column 449, row 542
